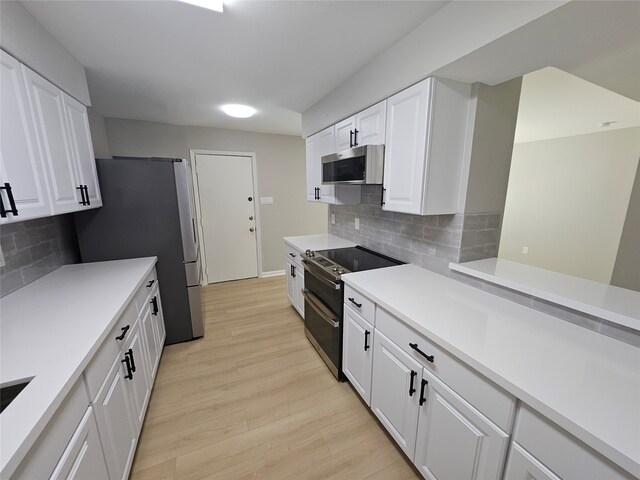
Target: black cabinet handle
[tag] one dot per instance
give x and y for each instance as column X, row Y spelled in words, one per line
column 359, row 305
column 382, row 197
column 422, row 388
column 82, row 201
column 133, row 363
column 415, row 347
column 12, row 203
column 150, row 284
column 154, row 302
column 124, row 332
column 411, row 389
column 366, row 340
column 293, row 271
column 129, row 375
column 350, row 138
column 355, row 137
column 86, row 191
column 292, row 255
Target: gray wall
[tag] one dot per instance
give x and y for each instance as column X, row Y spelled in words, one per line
column 434, row 44
column 280, row 163
column 428, row 241
column 26, row 39
column 34, row 248
column 98, row 134
column 626, row 272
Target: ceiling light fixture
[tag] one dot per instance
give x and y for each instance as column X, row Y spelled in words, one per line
column 215, row 5
column 238, row 111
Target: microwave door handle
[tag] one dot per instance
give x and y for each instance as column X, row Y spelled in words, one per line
column 320, row 309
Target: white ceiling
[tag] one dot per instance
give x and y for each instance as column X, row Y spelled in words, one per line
column 171, row 62
column 555, row 104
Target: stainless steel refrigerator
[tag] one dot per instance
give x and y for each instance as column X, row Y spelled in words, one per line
column 148, row 210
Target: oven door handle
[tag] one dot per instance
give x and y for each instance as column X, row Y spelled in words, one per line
column 320, row 309
column 335, row 286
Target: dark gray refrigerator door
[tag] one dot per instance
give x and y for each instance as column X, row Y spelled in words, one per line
column 139, row 218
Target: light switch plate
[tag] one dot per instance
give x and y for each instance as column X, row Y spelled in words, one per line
column 357, row 225
column 333, row 219
column 266, row 200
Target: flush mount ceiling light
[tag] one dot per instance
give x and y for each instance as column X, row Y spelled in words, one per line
column 215, row 5
column 238, row 111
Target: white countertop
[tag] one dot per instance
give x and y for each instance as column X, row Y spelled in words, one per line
column 318, row 242
column 587, row 383
column 615, row 304
column 50, row 330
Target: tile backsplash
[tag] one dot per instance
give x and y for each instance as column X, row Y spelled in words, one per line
column 429, row 241
column 34, row 248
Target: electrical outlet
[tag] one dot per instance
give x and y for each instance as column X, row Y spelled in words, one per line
column 333, row 219
column 525, row 250
column 357, row 225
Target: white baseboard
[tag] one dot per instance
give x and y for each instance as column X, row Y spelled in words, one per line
column 274, row 273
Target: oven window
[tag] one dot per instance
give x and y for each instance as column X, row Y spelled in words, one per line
column 349, row 169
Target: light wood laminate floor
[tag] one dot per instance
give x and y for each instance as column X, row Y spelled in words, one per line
column 252, row 399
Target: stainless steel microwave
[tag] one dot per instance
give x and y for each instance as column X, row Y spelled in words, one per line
column 360, row 166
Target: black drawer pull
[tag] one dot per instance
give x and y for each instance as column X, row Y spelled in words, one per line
column 415, row 347
column 129, row 375
column 124, row 332
column 83, row 201
column 351, row 139
column 359, row 305
column 366, row 340
column 12, row 203
column 150, row 284
column 355, row 137
column 422, row 388
column 293, row 255
column 133, row 363
column 86, row 192
column 154, row 302
column 382, row 197
column 411, row 389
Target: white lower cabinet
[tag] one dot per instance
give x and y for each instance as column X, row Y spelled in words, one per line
column 83, row 457
column 295, row 277
column 291, row 281
column 455, row 440
column 524, row 466
column 299, row 287
column 138, row 384
column 394, row 392
column 357, row 352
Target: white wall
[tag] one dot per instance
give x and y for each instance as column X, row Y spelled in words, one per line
column 626, row 273
column 26, row 39
column 98, row 134
column 281, row 172
column 456, row 30
column 567, row 202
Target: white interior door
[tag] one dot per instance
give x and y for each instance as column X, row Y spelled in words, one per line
column 228, row 216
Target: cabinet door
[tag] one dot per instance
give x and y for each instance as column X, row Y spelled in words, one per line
column 344, row 131
column 47, row 106
column 83, row 457
column 115, row 421
column 82, row 148
column 313, row 168
column 291, row 282
column 357, row 352
column 158, row 319
column 454, row 439
column 371, row 125
column 521, row 465
column 326, row 146
column 395, row 390
column 20, row 161
column 151, row 340
column 299, row 286
column 405, row 148
column 138, row 387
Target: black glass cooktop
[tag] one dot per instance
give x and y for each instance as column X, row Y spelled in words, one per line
column 356, row 259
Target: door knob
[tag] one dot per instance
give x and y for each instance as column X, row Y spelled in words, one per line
column 251, row 229
column 250, row 218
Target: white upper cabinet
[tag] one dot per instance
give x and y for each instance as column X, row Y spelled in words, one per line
column 47, row 106
column 425, row 139
column 364, row 128
column 82, row 149
column 319, row 145
column 20, row 162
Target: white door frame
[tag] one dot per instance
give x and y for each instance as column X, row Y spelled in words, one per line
column 256, row 205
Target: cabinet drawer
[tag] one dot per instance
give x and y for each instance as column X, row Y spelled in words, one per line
column 366, row 307
column 116, row 339
column 52, row 442
column 292, row 254
column 143, row 293
column 495, row 403
column 559, row 451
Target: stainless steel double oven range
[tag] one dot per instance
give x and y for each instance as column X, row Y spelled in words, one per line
column 324, row 296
